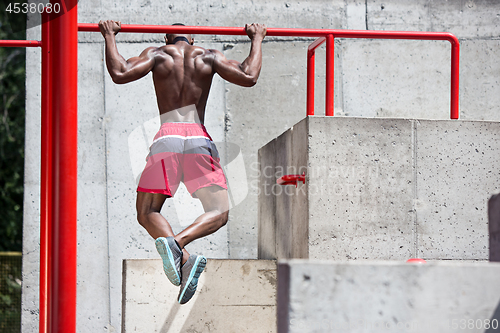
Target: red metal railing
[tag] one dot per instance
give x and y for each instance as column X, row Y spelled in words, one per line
column 455, row 55
column 63, row 98
column 20, row 43
column 59, row 141
column 327, row 35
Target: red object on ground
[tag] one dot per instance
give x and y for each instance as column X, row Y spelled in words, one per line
column 416, row 261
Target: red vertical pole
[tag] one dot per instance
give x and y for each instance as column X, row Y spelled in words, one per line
column 46, row 176
column 455, row 79
column 330, row 54
column 310, row 82
column 62, row 288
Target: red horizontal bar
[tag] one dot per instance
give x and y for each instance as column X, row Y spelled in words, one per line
column 20, row 43
column 142, row 28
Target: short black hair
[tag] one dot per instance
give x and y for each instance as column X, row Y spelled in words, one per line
column 176, row 24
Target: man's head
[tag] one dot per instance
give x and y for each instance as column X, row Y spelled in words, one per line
column 170, row 38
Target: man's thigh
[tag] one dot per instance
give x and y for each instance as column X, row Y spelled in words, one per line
column 149, row 202
column 213, row 198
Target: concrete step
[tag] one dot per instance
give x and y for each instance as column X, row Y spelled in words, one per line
column 372, row 297
column 232, row 296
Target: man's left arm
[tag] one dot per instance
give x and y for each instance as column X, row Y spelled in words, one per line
column 121, row 70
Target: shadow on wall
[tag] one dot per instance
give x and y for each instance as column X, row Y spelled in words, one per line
column 494, row 321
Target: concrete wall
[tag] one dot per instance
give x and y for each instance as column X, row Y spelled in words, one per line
column 245, row 304
column 362, row 297
column 379, row 189
column 373, row 78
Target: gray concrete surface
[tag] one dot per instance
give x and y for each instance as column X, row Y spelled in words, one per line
column 111, row 151
column 232, row 296
column 386, row 296
column 379, row 189
column 494, row 227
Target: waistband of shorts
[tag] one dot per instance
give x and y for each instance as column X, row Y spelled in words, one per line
column 187, row 130
column 182, row 124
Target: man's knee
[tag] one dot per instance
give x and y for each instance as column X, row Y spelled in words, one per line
column 142, row 218
column 224, row 218
column 147, row 204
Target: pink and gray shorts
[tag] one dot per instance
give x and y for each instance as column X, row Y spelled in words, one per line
column 181, row 152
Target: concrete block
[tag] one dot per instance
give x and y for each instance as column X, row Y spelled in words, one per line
column 352, row 182
column 377, row 297
column 360, row 188
column 280, row 236
column 457, row 171
column 494, row 227
column 232, row 296
column 379, row 189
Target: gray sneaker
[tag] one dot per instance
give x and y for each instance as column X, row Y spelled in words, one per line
column 171, row 255
column 191, row 271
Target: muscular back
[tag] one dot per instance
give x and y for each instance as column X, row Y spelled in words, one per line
column 182, row 75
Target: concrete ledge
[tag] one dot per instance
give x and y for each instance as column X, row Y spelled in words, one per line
column 387, row 297
column 232, row 296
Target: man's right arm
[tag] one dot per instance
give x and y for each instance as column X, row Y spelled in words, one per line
column 121, row 70
column 245, row 73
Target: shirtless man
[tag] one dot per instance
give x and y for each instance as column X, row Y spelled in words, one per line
column 182, row 149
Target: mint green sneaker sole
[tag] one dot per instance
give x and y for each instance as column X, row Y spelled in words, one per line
column 192, row 282
column 168, row 261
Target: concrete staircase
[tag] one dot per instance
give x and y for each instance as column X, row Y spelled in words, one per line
column 377, row 192
column 382, row 189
